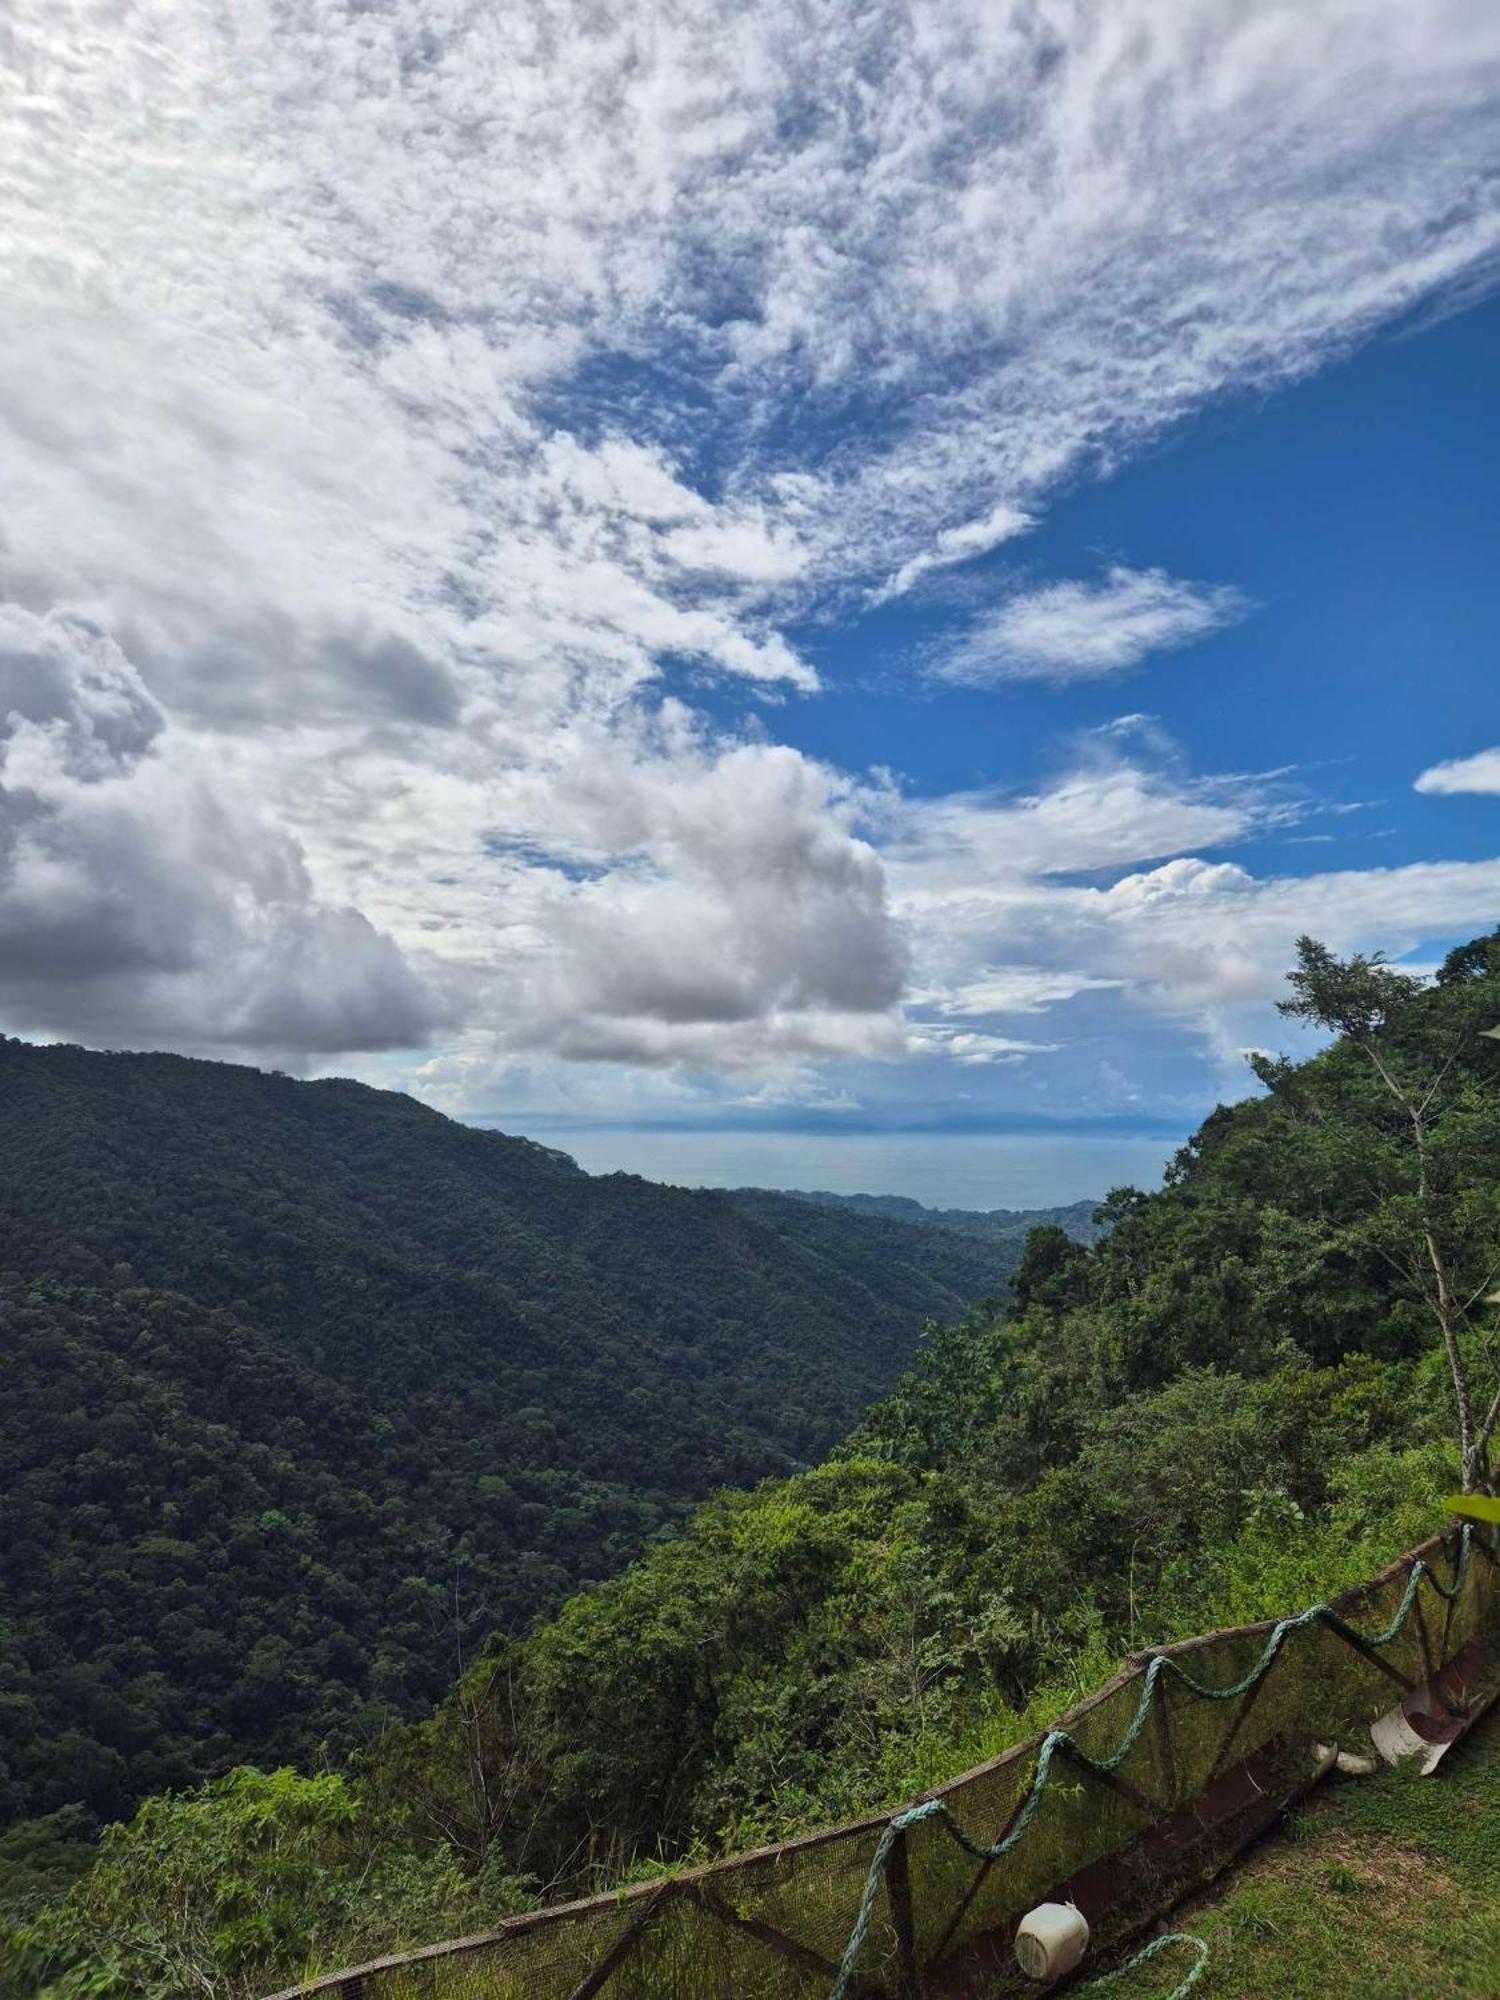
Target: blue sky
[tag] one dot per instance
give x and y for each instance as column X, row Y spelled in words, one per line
column 1360, row 514
column 786, row 570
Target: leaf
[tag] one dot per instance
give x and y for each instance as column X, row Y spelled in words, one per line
column 1478, row 1506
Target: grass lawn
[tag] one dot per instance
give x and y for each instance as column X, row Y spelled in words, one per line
column 1383, row 1888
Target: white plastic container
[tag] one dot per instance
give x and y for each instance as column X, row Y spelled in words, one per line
column 1051, row 1940
column 1396, row 1740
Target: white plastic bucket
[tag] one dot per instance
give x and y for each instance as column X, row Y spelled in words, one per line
column 1051, row 1940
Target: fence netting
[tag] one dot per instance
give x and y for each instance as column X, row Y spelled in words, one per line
column 1136, row 1796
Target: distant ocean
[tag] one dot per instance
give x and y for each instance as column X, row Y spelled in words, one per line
column 944, row 1170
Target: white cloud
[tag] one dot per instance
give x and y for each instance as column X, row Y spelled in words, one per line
column 1211, row 939
column 1102, row 819
column 1153, row 965
column 1083, row 631
column 141, row 897
column 1012, row 989
column 957, row 545
column 412, row 395
column 751, row 917
column 1479, row 773
column 973, row 1047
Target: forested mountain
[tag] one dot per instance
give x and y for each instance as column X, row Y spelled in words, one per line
column 1241, row 1398
column 304, row 1388
column 1237, row 1399
column 1008, row 1226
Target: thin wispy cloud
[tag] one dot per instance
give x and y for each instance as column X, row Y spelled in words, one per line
column 956, row 545
column 1083, row 631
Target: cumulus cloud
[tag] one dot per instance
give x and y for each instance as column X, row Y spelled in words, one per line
column 1212, row 936
column 1082, row 631
column 1479, row 773
column 137, row 897
column 741, row 915
column 66, row 687
column 1185, row 957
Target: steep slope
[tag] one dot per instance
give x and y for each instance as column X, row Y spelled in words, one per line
column 1234, row 1402
column 305, row 1385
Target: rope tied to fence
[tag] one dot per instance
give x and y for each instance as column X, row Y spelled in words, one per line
column 1159, row 1665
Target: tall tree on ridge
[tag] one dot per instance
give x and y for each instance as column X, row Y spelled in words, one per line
column 1431, row 1053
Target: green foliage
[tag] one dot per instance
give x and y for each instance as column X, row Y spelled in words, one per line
column 304, row 1389
column 40, row 1859
column 832, row 1644
column 232, row 1888
column 1229, row 1406
column 1427, row 1062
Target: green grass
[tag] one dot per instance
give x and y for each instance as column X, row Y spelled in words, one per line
column 1383, row 1888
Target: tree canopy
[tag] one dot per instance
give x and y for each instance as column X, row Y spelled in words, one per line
column 304, row 1389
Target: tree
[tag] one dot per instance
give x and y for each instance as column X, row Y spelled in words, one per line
column 239, row 1887
column 1051, row 1269
column 1431, row 1157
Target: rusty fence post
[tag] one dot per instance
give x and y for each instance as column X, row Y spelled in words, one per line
column 898, row 1888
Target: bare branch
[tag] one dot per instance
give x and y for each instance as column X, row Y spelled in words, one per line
column 1487, row 1428
column 1437, row 1082
column 1484, row 1285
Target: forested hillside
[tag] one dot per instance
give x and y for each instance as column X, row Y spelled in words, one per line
column 304, row 1388
column 1247, row 1393
column 1241, row 1397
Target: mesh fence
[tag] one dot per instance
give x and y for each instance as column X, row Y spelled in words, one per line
column 1139, row 1794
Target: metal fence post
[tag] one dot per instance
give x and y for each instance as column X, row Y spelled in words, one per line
column 898, row 1888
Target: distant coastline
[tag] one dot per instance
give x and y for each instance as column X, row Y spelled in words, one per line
column 973, row 1171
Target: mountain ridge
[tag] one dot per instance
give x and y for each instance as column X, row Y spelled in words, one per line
column 400, row 1380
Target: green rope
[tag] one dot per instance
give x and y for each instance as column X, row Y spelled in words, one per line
column 1058, row 1739
column 1200, row 1964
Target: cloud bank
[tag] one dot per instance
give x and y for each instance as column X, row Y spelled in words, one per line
column 423, row 431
